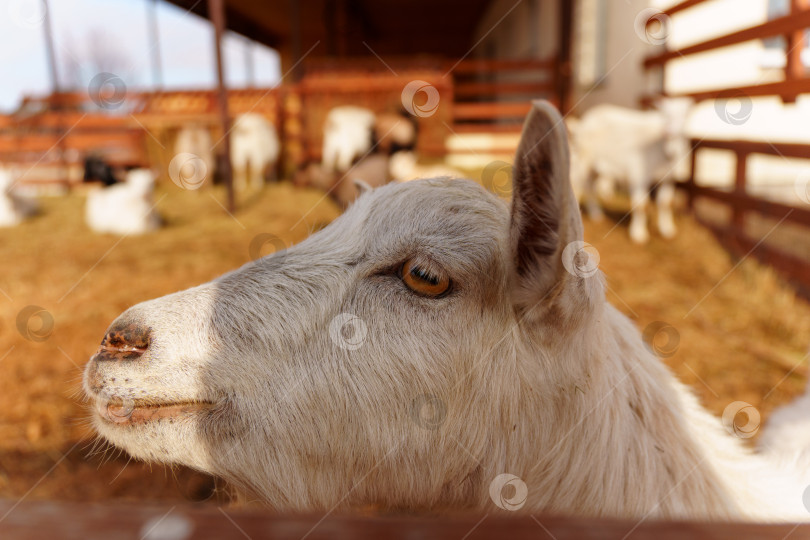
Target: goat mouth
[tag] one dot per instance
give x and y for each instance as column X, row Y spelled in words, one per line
column 129, row 412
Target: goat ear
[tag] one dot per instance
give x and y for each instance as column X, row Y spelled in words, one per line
column 545, row 214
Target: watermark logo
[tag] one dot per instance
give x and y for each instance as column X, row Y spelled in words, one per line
column 115, row 410
column 348, row 331
column 802, row 187
column 733, row 423
column 188, row 171
column 497, row 178
column 107, row 90
column 35, row 323
column 580, row 259
column 428, row 411
column 508, row 492
column 652, row 26
column 257, row 250
column 431, row 103
column 167, row 527
column 28, row 14
column 662, row 339
column 733, row 107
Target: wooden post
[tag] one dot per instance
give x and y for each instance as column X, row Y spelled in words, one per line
column 154, row 38
column 737, row 213
column 296, row 39
column 563, row 75
column 690, row 183
column 795, row 43
column 341, row 24
column 216, row 12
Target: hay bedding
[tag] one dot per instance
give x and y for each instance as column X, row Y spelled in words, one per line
column 740, row 343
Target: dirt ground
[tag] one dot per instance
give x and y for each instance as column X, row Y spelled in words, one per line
column 742, row 334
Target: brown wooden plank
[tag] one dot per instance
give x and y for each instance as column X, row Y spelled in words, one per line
column 476, row 65
column 784, row 89
column 74, row 140
column 775, row 27
column 500, row 127
column 73, row 120
column 743, row 201
column 478, row 89
column 68, row 521
column 469, row 111
column 682, row 6
column 794, row 150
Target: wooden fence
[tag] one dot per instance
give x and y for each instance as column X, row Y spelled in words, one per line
column 742, row 204
column 35, row 520
column 51, row 135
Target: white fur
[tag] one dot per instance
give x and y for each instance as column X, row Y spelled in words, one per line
column 126, row 208
column 533, row 372
column 196, row 139
column 404, row 167
column 254, row 148
column 347, row 136
column 788, row 433
column 13, row 208
column 639, row 148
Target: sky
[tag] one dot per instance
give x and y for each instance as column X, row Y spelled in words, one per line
column 118, row 31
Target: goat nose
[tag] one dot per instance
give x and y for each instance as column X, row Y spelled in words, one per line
column 125, row 340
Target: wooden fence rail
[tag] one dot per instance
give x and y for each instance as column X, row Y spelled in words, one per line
column 138, row 521
column 734, row 234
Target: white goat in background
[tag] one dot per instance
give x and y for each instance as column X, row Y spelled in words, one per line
column 347, row 135
column 404, row 166
column 255, row 150
column 125, row 208
column 641, row 149
column 196, row 139
column 13, row 208
column 412, row 353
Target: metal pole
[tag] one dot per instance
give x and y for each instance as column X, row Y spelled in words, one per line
column 216, row 11
column 154, row 38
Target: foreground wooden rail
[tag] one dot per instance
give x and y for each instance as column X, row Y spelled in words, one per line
column 36, row 520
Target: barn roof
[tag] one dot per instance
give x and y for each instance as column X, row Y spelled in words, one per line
column 353, row 27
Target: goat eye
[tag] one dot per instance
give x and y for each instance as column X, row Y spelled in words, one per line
column 423, row 281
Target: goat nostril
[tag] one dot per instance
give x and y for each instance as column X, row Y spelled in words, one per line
column 126, row 340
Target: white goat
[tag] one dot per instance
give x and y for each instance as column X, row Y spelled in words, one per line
column 254, row 150
column 639, row 148
column 404, row 167
column 13, row 208
column 394, row 132
column 413, row 352
column 371, row 171
column 196, row 139
column 126, row 208
column 347, row 135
